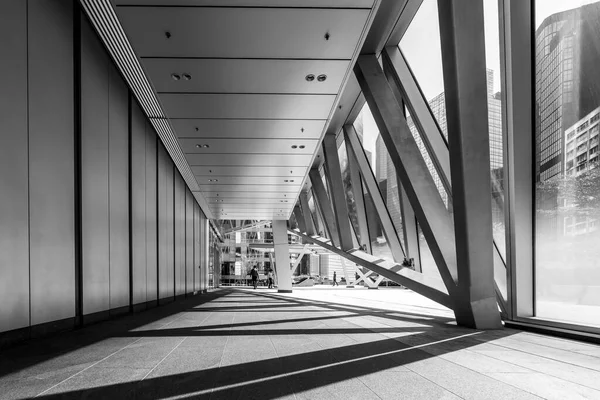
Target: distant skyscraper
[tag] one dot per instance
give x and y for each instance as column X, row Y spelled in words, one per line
column 567, row 82
column 581, row 145
column 381, row 159
column 438, row 109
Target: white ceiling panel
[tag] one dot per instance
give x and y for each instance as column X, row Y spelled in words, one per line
column 276, row 160
column 245, row 76
column 289, row 188
column 246, row 180
column 249, row 146
column 254, row 3
column 248, row 128
column 251, row 211
column 257, row 207
column 252, row 106
column 275, row 217
column 215, row 32
column 274, row 201
column 273, row 196
column 245, row 172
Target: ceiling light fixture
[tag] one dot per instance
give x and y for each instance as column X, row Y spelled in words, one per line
column 302, row 146
column 188, row 77
column 200, row 146
column 320, row 78
column 294, row 146
column 310, row 77
column 175, row 77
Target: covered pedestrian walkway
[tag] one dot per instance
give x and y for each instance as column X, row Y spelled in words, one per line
column 312, row 344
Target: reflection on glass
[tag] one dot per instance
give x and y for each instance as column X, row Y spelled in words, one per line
column 567, row 195
column 426, row 157
column 385, row 174
column 428, row 265
column 348, row 189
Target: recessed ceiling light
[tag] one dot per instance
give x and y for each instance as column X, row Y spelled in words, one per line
column 285, row 180
column 294, row 146
column 200, row 146
column 187, row 77
column 291, row 180
column 175, row 77
column 321, row 78
column 302, row 146
column 310, row 77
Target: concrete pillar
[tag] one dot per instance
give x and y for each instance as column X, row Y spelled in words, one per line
column 282, row 256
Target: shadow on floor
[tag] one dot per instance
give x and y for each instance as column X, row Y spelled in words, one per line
column 35, row 351
column 276, row 377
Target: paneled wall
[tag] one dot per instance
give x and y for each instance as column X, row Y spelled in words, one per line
column 51, row 127
column 94, row 218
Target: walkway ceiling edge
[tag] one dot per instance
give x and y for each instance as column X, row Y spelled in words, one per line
column 104, row 19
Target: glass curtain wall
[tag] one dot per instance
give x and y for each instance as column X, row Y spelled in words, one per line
column 378, row 156
column 567, row 180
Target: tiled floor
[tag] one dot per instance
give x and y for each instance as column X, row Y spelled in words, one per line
column 317, row 343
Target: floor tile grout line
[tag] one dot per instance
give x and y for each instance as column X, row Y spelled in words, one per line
column 175, row 348
column 541, row 356
column 531, row 370
column 104, row 359
column 477, row 372
column 550, row 347
column 88, row 367
column 164, row 358
column 223, row 352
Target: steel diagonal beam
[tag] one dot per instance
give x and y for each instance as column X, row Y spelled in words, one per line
column 435, row 220
column 299, row 259
column 308, row 221
column 369, row 179
column 409, row 226
column 465, row 83
column 359, row 200
column 299, row 218
column 322, row 199
column 428, row 286
column 405, row 87
column 333, row 174
column 431, row 134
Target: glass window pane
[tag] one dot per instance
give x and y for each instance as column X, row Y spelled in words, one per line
column 567, row 195
column 348, row 189
column 492, row 56
column 384, row 171
column 425, row 154
column 422, row 49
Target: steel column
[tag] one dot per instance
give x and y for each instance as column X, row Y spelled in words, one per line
column 322, row 199
column 308, row 221
column 463, row 59
column 333, row 174
column 282, row 256
column 516, row 49
column 389, row 230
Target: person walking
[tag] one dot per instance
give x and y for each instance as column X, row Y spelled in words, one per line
column 270, row 279
column 254, row 275
column 335, row 279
